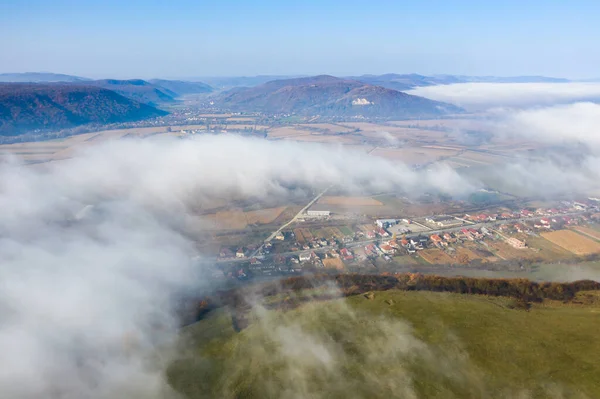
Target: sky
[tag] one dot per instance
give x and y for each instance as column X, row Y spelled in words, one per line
column 191, row 38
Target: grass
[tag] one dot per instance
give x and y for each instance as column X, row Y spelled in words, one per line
column 346, row 231
column 397, row 344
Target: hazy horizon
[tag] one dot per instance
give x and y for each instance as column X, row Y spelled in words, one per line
column 231, row 38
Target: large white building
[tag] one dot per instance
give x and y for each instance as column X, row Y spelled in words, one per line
column 383, row 223
column 318, row 213
column 444, row 221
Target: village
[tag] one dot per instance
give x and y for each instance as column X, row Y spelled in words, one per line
column 476, row 240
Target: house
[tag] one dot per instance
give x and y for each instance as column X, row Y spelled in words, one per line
column 255, row 261
column 526, row 213
column 304, row 257
column 467, row 234
column 520, row 228
column 448, row 237
column 240, row 253
column 435, row 238
column 371, row 234
column 393, row 243
column 382, row 232
column 371, row 250
column 475, row 234
column 545, row 221
column 346, row 254
column 386, row 249
column 505, row 215
column 279, row 236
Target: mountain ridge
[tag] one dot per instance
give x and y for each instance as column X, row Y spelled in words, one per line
column 31, row 106
column 327, row 95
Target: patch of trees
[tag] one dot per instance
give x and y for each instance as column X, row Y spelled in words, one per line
column 290, row 290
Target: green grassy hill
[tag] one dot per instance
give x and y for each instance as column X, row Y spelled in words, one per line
column 397, row 344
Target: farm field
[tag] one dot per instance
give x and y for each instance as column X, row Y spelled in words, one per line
column 237, row 219
column 573, row 242
column 333, row 263
column 241, row 119
column 346, row 231
column 366, row 227
column 228, row 220
column 591, row 233
column 264, row 216
column 548, row 250
column 349, row 201
column 435, row 256
column 335, row 232
column 303, row 235
column 330, row 127
column 505, row 251
column 420, row 344
column 466, row 254
column 406, row 260
column 288, row 131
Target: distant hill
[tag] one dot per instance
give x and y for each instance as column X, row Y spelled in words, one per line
column 410, row 81
column 180, row 87
column 229, row 82
column 25, row 107
column 330, row 96
column 138, row 90
column 39, row 77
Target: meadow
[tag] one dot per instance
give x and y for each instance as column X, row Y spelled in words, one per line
column 397, row 344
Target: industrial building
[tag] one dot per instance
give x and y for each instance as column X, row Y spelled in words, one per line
column 384, row 223
column 318, row 213
column 444, row 221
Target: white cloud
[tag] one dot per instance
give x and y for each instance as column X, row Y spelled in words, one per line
column 482, row 96
column 560, row 124
column 84, row 303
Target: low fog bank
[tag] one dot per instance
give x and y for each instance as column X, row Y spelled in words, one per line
column 563, row 117
column 565, row 125
column 483, row 96
column 92, row 255
column 87, row 296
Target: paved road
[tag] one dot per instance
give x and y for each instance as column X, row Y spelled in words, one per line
column 280, row 229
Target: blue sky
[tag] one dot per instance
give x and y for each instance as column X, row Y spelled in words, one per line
column 154, row 38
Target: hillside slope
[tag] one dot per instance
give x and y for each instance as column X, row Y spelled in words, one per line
column 181, row 87
column 25, row 107
column 330, row 96
column 397, row 344
column 137, row 89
